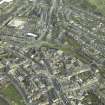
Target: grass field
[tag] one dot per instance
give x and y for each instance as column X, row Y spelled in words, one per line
column 12, row 95
column 100, row 5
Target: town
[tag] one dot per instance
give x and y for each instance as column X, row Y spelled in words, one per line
column 52, row 52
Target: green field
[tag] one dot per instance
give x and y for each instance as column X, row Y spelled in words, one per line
column 100, row 5
column 12, row 95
